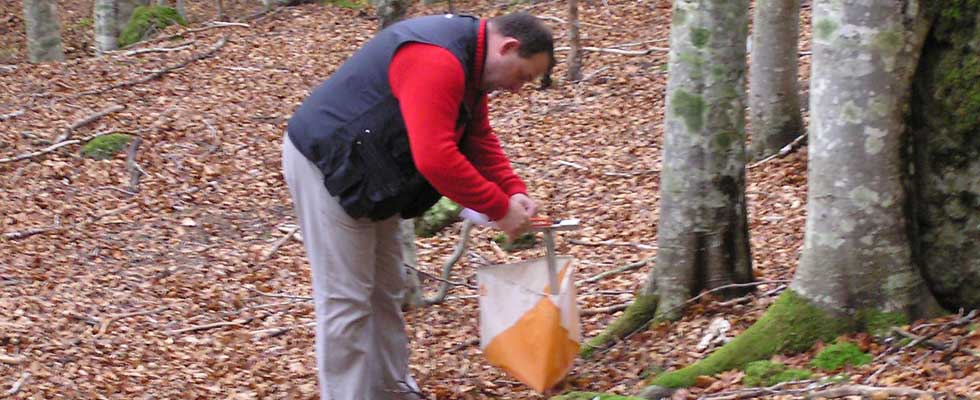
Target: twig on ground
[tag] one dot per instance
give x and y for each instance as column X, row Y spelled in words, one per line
column 467, row 343
column 279, row 243
column 5, row 359
column 782, row 152
column 561, row 21
column 281, row 296
column 104, row 326
column 237, row 322
column 916, row 340
column 218, row 45
column 593, row 74
column 748, row 297
column 179, row 47
column 31, row 232
column 463, row 284
column 868, row 391
column 612, row 243
column 273, row 332
column 627, row 267
column 11, row 115
column 648, row 51
column 18, row 384
column 52, row 148
column 88, row 120
column 605, row 310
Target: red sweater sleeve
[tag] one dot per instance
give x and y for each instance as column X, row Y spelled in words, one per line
column 483, row 149
column 428, row 82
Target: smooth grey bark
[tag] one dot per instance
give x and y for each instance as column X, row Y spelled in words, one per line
column 43, row 31
column 857, row 254
column 106, row 26
column 124, row 10
column 574, row 72
column 413, row 296
column 702, row 235
column 774, row 100
column 945, row 124
column 390, row 11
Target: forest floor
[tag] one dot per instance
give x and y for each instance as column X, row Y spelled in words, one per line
column 167, row 288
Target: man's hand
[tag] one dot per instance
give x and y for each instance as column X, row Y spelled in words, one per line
column 529, row 205
column 518, row 218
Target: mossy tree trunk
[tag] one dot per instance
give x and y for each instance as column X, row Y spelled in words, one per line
column 856, row 253
column 106, row 26
column 43, row 31
column 857, row 270
column 774, row 99
column 390, row 11
column 125, row 8
column 945, row 124
column 702, row 235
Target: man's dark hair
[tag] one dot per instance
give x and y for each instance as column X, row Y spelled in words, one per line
column 534, row 36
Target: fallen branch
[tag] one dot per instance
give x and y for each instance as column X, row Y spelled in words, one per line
column 18, row 384
column 618, row 51
column 10, row 359
column 917, row 340
column 45, row 150
column 446, row 281
column 580, row 22
column 281, row 296
column 31, row 232
column 11, row 115
column 218, row 45
column 605, row 310
column 158, row 49
column 612, row 243
column 217, row 24
column 273, row 332
column 869, row 391
column 464, row 344
column 104, row 326
column 279, row 243
column 627, row 267
column 782, row 152
column 88, row 120
column 52, row 148
column 237, row 322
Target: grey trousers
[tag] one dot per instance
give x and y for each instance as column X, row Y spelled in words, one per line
column 358, row 280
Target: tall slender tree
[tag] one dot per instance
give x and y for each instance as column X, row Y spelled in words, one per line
column 774, row 100
column 574, row 71
column 43, row 31
column 703, row 234
column 106, row 26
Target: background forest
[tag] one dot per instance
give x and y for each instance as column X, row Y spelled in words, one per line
column 149, row 248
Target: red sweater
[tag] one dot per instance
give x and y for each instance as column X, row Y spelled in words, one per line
column 429, row 83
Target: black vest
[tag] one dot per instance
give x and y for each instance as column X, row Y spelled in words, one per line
column 351, row 126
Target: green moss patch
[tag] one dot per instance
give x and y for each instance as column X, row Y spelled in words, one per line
column 444, row 213
column 767, row 373
column 145, row 21
column 525, row 241
column 593, row 396
column 106, row 146
column 791, row 324
column 636, row 316
column 838, row 355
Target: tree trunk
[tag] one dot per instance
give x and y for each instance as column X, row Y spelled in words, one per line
column 944, row 124
column 774, row 101
column 574, row 72
column 181, row 10
column 703, row 232
column 856, row 271
column 390, row 11
column 221, row 11
column 106, row 26
column 413, row 296
column 856, row 253
column 43, row 31
column 702, row 237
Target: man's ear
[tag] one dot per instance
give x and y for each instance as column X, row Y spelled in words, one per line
column 509, row 44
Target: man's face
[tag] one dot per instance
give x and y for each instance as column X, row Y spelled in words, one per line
column 509, row 71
